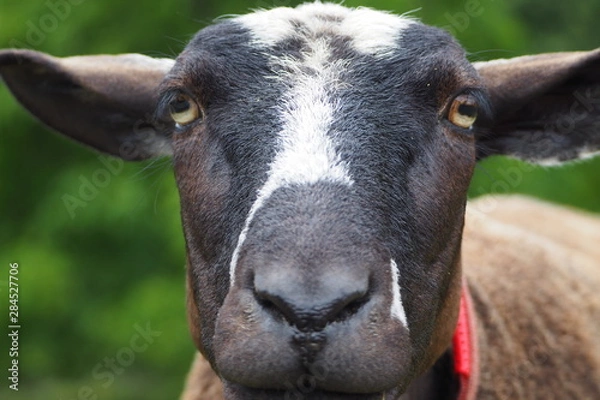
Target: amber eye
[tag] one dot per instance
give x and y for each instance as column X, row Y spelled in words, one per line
column 184, row 110
column 463, row 111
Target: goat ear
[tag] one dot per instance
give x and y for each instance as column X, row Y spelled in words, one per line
column 547, row 107
column 106, row 102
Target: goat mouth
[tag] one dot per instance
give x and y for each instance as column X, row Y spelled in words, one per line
column 361, row 357
column 300, row 392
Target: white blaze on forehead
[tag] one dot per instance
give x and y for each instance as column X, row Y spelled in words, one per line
column 370, row 31
column 306, row 154
column 306, row 151
column 397, row 309
column 306, row 148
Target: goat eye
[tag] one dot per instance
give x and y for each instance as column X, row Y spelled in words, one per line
column 463, row 111
column 184, row 110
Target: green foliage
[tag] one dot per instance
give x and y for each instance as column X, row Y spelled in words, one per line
column 86, row 281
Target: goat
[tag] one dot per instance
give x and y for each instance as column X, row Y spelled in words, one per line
column 322, row 156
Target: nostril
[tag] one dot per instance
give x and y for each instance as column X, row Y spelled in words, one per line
column 310, row 312
column 274, row 305
column 351, row 308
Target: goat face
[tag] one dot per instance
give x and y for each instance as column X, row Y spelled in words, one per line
column 323, row 157
column 323, row 189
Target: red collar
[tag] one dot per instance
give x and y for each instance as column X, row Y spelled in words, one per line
column 464, row 347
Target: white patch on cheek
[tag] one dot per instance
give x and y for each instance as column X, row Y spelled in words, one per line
column 397, row 309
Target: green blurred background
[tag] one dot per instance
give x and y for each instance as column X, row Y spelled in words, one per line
column 85, row 282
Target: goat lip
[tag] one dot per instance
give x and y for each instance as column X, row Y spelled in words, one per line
column 237, row 392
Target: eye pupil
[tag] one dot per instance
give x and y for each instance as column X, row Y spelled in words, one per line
column 468, row 110
column 179, row 105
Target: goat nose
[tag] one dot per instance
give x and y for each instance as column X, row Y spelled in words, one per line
column 310, row 305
